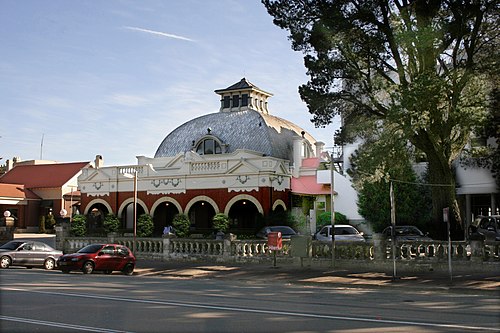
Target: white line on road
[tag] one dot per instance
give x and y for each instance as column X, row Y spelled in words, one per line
column 260, row 311
column 59, row 325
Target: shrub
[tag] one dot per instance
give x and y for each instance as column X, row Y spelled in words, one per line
column 181, row 225
column 78, row 226
column 111, row 223
column 41, row 225
column 325, row 218
column 220, row 222
column 50, row 221
column 145, row 225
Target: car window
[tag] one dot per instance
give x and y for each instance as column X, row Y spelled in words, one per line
column 110, row 249
column 93, row 248
column 324, row 231
column 123, row 251
column 39, row 247
column 345, row 231
column 11, row 245
column 28, row 247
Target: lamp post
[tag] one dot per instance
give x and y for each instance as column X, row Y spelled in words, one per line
column 135, row 210
column 332, row 196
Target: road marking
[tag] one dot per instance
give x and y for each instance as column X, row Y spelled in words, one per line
column 260, row 311
column 59, row 325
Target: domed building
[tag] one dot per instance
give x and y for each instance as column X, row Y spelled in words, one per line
column 241, row 161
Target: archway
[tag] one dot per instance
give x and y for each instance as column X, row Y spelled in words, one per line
column 163, row 215
column 243, row 214
column 128, row 215
column 95, row 217
column 201, row 214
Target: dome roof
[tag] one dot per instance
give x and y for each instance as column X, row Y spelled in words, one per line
column 248, row 129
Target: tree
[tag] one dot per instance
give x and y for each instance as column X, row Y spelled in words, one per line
column 415, row 68
column 145, row 225
column 78, row 227
column 111, row 223
column 181, row 225
column 50, row 221
column 41, row 225
column 220, row 222
column 325, row 218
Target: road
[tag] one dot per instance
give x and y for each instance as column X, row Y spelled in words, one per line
column 34, row 300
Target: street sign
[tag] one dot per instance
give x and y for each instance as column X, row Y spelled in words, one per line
column 274, row 241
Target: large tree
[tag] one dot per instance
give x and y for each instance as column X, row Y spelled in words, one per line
column 415, row 67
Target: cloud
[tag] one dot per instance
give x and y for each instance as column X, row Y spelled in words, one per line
column 159, row 33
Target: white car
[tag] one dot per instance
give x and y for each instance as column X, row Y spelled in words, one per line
column 343, row 233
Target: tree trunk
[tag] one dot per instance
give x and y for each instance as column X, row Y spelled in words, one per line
column 443, row 195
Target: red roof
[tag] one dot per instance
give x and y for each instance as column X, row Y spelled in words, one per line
column 43, row 175
column 16, row 191
column 308, row 185
column 312, row 162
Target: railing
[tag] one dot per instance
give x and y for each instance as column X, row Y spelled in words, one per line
column 233, row 249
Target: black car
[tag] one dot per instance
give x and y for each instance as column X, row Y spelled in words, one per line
column 29, row 254
column 488, row 227
column 405, row 233
column 286, row 232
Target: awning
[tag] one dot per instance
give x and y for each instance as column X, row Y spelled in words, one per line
column 309, row 185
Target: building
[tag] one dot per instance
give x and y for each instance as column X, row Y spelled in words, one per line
column 241, row 161
column 31, row 189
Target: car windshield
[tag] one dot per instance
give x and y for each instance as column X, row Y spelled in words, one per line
column 11, row 245
column 93, row 248
column 345, row 231
column 283, row 230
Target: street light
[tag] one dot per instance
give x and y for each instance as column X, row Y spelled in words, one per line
column 332, row 196
column 135, row 205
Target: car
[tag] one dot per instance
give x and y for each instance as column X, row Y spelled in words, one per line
column 99, row 257
column 343, row 233
column 486, row 226
column 28, row 253
column 286, row 232
column 406, row 233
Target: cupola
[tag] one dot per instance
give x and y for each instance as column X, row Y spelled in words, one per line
column 242, row 96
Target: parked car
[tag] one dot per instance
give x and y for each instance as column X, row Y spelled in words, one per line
column 343, row 233
column 286, row 232
column 486, row 226
column 29, row 254
column 99, row 257
column 405, row 233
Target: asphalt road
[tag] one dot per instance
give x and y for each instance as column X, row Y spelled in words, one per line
column 34, row 300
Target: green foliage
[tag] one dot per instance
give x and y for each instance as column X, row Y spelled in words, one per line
column 181, row 225
column 145, row 225
column 325, row 218
column 50, row 221
column 111, row 223
column 41, row 225
column 375, row 63
column 78, row 227
column 220, row 222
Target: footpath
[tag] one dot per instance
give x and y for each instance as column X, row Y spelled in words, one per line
column 460, row 282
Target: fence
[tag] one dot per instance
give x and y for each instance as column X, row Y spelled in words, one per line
column 233, row 250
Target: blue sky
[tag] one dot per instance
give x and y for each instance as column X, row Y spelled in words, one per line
column 115, row 77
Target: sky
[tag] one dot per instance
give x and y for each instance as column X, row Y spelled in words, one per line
column 114, row 78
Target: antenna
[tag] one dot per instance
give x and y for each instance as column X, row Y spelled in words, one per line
column 41, row 146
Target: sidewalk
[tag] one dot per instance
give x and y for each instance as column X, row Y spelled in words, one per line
column 483, row 282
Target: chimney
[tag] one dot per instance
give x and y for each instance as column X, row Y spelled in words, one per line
column 319, row 148
column 99, row 163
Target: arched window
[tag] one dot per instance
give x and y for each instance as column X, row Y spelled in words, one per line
column 208, row 146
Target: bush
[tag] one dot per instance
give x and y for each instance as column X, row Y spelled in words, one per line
column 41, row 225
column 111, row 223
column 78, row 227
column 145, row 225
column 220, row 222
column 325, row 218
column 181, row 225
column 50, row 221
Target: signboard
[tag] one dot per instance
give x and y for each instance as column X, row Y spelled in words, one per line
column 274, row 241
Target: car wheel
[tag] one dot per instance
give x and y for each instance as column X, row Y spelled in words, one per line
column 108, row 271
column 49, row 264
column 88, row 267
column 128, row 269
column 5, row 262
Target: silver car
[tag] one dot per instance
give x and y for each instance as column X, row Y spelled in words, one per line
column 343, row 233
column 29, row 254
